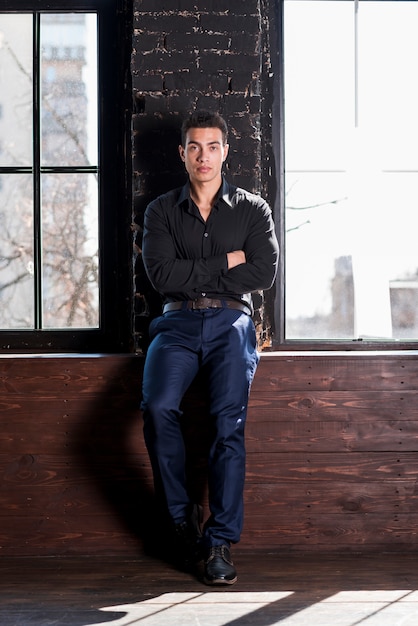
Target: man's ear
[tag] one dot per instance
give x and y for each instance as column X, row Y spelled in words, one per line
column 226, row 149
column 181, row 152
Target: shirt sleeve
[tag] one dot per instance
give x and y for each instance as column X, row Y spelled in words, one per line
column 166, row 272
column 261, row 251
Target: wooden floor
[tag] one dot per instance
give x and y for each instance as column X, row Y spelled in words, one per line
column 379, row 590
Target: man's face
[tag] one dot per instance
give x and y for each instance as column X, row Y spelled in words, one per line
column 203, row 154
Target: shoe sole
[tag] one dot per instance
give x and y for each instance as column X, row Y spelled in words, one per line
column 220, row 581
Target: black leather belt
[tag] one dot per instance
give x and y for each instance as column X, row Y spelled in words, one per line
column 206, row 303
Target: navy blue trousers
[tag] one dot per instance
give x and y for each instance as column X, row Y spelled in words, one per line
column 223, row 343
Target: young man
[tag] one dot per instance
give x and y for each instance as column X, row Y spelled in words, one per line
column 206, row 247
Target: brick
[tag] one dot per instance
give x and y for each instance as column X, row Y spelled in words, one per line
column 240, row 162
column 204, row 81
column 149, row 6
column 240, row 81
column 255, row 104
column 177, row 81
column 155, row 104
column 183, row 104
column 144, row 42
column 138, row 104
column 149, row 82
column 245, row 126
column 163, row 61
column 210, row 61
column 229, row 23
column 150, row 129
column 219, row 83
column 165, row 22
column 245, row 42
column 241, row 103
column 246, row 7
column 215, row 6
column 211, row 103
column 249, row 182
column 197, row 41
column 195, row 80
column 235, row 103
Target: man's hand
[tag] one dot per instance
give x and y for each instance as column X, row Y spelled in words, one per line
column 235, row 258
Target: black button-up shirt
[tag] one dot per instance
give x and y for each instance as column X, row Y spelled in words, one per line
column 185, row 257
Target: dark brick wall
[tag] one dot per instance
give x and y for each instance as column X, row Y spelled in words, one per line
column 194, row 54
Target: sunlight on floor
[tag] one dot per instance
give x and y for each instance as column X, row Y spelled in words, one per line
column 285, row 608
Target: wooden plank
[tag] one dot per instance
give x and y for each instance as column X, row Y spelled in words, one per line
column 337, row 373
column 40, row 409
column 86, row 498
column 101, row 431
column 350, row 405
column 334, row 531
column 100, row 535
column 275, row 373
column 126, row 495
column 334, row 497
column 269, row 467
column 46, row 470
column 338, row 437
column 56, row 427
column 53, row 541
column 40, row 376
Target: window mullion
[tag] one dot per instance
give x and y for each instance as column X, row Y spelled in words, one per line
column 37, row 223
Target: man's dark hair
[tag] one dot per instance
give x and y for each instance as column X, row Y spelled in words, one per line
column 204, row 119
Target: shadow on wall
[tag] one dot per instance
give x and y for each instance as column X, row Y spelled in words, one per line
column 156, row 163
column 110, row 450
column 157, row 169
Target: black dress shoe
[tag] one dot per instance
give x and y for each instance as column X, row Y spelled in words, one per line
column 188, row 537
column 219, row 568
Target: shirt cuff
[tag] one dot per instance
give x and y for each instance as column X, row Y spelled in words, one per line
column 217, row 264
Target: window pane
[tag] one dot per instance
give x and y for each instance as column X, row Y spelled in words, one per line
column 318, row 274
column 351, row 132
column 16, row 252
column 15, row 90
column 69, row 89
column 70, row 251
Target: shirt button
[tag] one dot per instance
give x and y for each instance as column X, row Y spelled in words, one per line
column 206, row 235
column 203, row 294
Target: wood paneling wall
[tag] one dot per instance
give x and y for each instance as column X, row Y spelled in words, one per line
column 332, row 448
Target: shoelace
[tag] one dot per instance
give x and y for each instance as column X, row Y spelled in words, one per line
column 221, row 551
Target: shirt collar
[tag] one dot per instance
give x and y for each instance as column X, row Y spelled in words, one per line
column 225, row 193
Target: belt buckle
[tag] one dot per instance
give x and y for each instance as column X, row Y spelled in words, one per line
column 201, row 303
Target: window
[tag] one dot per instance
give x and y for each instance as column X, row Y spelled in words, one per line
column 62, row 176
column 351, row 172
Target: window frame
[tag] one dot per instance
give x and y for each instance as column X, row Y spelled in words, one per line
column 115, row 195
column 279, row 341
